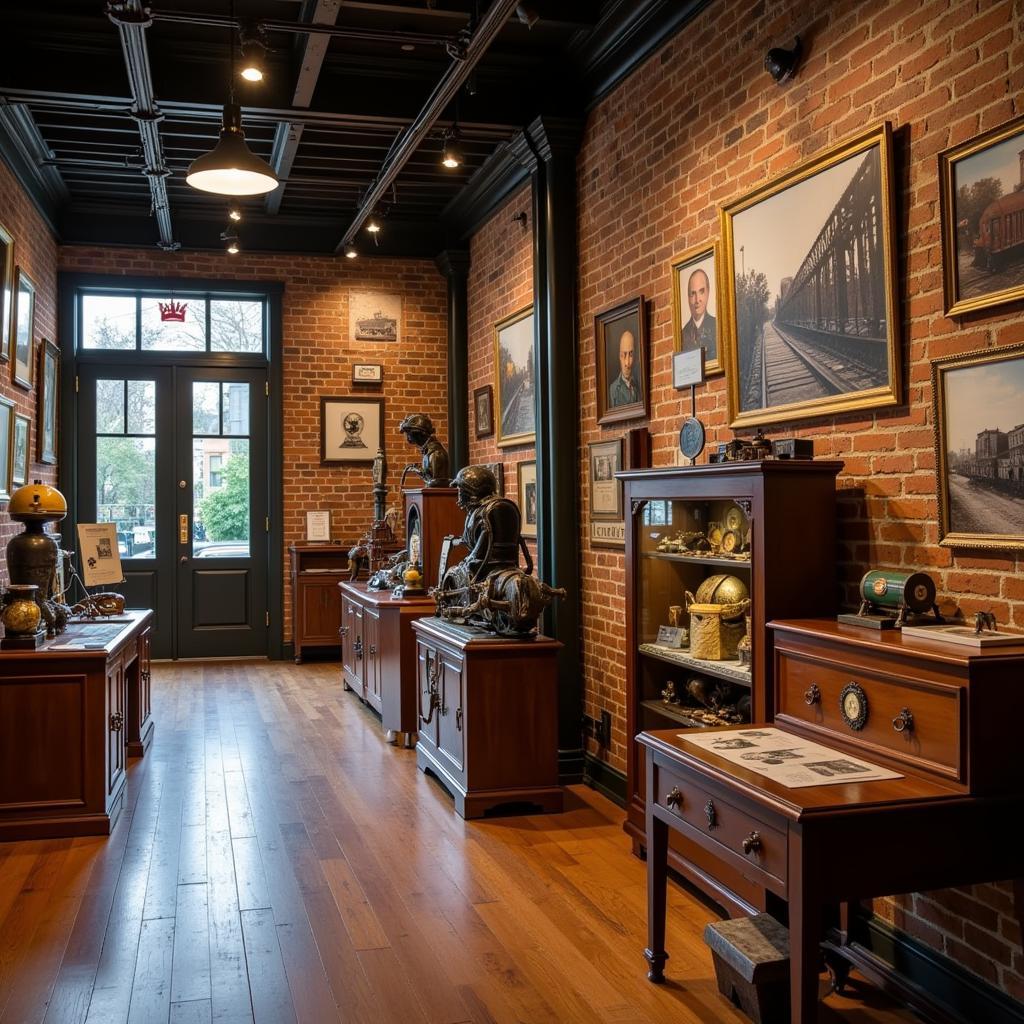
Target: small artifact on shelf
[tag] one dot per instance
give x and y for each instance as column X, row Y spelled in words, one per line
column 22, row 618
column 716, row 617
column 669, row 695
column 743, row 647
column 675, row 615
column 793, row 448
column 412, row 581
column 891, row 599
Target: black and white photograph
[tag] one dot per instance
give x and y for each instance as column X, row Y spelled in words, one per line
column 498, row 469
column 6, row 436
column 982, row 200
column 810, row 266
column 483, row 410
column 527, row 473
column 979, row 419
column 46, row 435
column 351, row 429
column 513, row 374
column 374, row 316
column 605, row 490
column 696, row 312
column 20, row 451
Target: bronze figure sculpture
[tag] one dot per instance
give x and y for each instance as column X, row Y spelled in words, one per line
column 434, row 467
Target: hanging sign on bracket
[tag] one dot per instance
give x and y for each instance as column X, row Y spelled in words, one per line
column 688, row 368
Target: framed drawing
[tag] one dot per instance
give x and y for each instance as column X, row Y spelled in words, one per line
column 374, row 316
column 527, row 474
column 318, row 526
column 801, row 339
column 978, row 401
column 696, row 311
column 351, row 429
column 620, row 347
column 513, row 372
column 483, row 410
column 6, row 437
column 24, row 324
column 367, row 373
column 19, row 451
column 498, row 469
column 49, row 395
column 607, row 521
column 6, row 291
column 981, row 193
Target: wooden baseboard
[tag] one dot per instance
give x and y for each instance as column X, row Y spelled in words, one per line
column 608, row 781
column 571, row 766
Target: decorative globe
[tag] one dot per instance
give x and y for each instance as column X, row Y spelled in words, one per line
column 722, row 589
column 37, row 503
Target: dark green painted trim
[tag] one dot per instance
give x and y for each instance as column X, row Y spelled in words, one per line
column 608, row 781
column 454, row 265
column 571, row 768
column 45, row 189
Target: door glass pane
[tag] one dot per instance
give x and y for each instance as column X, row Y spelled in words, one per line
column 220, row 497
column 236, row 408
column 108, row 321
column 185, row 331
column 110, row 407
column 236, row 326
column 205, row 407
column 141, row 407
column 126, row 492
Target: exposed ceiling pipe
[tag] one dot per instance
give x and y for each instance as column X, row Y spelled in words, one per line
column 132, row 20
column 444, row 92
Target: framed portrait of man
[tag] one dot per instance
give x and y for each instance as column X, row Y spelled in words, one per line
column 696, row 311
column 620, row 346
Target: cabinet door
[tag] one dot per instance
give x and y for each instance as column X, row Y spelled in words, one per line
column 145, row 699
column 371, row 657
column 114, row 725
column 428, row 691
column 348, row 637
column 319, row 611
column 451, row 727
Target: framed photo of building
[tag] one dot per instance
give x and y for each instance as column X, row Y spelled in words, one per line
column 49, row 393
column 6, row 437
column 620, row 347
column 6, row 291
column 979, row 448
column 810, row 284
column 513, row 374
column 527, row 473
column 696, row 311
column 24, row 325
column 981, row 192
column 20, row 451
column 351, row 429
column 374, row 316
column 483, row 410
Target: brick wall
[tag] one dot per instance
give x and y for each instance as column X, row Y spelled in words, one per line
column 700, row 124
column 35, row 249
column 318, row 357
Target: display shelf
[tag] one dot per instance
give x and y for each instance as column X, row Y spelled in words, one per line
column 676, row 714
column 731, row 670
column 725, row 563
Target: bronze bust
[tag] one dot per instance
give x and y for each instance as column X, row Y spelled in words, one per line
column 434, row 467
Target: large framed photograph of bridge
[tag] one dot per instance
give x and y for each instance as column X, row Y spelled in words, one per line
column 978, row 404
column 513, row 377
column 981, row 191
column 810, row 284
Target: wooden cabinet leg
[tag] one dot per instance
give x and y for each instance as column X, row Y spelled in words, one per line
column 657, row 880
column 804, row 934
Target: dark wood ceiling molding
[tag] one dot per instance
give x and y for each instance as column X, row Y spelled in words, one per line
column 502, row 172
column 24, row 152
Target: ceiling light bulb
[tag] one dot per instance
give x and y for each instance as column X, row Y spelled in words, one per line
column 235, row 213
column 252, row 61
column 233, row 246
column 351, row 252
column 231, row 168
column 373, row 226
column 451, row 154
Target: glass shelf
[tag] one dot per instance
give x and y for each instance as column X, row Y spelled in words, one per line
column 679, row 714
column 727, row 563
column 731, row 670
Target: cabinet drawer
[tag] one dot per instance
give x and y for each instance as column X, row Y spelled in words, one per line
column 720, row 826
column 809, row 691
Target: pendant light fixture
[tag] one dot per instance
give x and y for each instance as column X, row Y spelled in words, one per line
column 231, row 168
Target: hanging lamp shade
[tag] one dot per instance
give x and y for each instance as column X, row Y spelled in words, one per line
column 231, row 168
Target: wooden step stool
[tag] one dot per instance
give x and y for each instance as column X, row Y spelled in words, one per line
column 751, row 957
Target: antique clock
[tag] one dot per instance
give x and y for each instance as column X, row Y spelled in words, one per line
column 853, row 706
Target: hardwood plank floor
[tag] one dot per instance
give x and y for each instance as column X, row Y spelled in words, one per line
column 277, row 861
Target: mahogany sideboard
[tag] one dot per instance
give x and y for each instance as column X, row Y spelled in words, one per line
column 69, row 713
column 316, row 610
column 378, row 654
column 941, row 715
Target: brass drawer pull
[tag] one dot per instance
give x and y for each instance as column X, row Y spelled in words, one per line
column 904, row 721
column 711, row 814
column 116, row 722
column 674, row 799
column 752, row 844
column 812, row 695
column 357, row 647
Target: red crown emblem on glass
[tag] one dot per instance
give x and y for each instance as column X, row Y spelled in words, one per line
column 173, row 311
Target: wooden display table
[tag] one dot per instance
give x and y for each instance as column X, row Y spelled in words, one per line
column 938, row 714
column 68, row 715
column 316, row 610
column 488, row 716
column 378, row 654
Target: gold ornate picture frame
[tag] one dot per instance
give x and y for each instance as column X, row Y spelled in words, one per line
column 515, row 409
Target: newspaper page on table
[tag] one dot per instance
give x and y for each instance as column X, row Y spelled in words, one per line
column 787, row 759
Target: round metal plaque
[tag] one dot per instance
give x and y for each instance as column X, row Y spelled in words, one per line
column 691, row 437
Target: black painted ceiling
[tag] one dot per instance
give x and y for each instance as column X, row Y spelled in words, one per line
column 65, row 104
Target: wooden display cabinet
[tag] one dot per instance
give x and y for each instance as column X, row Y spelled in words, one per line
column 431, row 514
column 781, row 517
column 316, row 608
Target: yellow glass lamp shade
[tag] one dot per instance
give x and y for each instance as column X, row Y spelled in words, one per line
column 37, row 503
column 231, row 168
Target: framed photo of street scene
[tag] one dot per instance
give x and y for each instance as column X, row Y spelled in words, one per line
column 513, row 377
column 620, row 348
column 978, row 402
column 49, row 384
column 981, row 193
column 351, row 429
column 810, row 284
column 696, row 311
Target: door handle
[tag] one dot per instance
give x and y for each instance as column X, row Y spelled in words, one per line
column 183, row 529
column 183, row 559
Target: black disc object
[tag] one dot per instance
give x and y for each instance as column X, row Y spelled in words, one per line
column 691, row 437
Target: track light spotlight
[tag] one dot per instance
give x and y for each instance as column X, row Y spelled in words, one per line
column 373, row 224
column 235, row 214
column 451, row 153
column 254, row 54
column 230, row 239
column 351, row 252
column 781, row 64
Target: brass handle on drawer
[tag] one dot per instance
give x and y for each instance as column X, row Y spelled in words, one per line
column 674, row 799
column 116, row 722
column 752, row 844
column 711, row 814
column 904, row 721
column 812, row 695
column 358, row 647
column 458, row 719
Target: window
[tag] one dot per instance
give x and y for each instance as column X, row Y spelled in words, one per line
column 216, row 463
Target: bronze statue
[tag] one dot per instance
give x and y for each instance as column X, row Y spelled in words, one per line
column 434, row 468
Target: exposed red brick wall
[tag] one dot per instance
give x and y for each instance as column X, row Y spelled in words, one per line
column 318, row 361
column 500, row 283
column 702, row 123
column 35, row 249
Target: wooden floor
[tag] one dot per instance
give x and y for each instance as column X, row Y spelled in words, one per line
column 277, row 861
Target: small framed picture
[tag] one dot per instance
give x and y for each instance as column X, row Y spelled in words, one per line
column 498, row 469
column 6, row 291
column 318, row 526
column 351, row 429
column 620, row 345
column 696, row 314
column 367, row 373
column 605, row 490
column 24, row 325
column 20, row 451
column 6, row 436
column 483, row 410
column 49, row 382
column 527, row 474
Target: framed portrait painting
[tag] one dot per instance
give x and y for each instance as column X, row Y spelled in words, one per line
column 810, row 284
column 696, row 311
column 6, row 437
column 6, row 291
column 620, row 347
column 24, row 323
column 351, row 429
column 483, row 410
column 374, row 316
column 20, row 451
column 513, row 372
column 978, row 401
column 981, row 192
column 527, row 474
column 49, row 384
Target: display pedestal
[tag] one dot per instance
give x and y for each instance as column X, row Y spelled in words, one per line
column 488, row 717
column 432, row 513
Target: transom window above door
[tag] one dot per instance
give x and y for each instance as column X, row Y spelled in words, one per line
column 178, row 322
